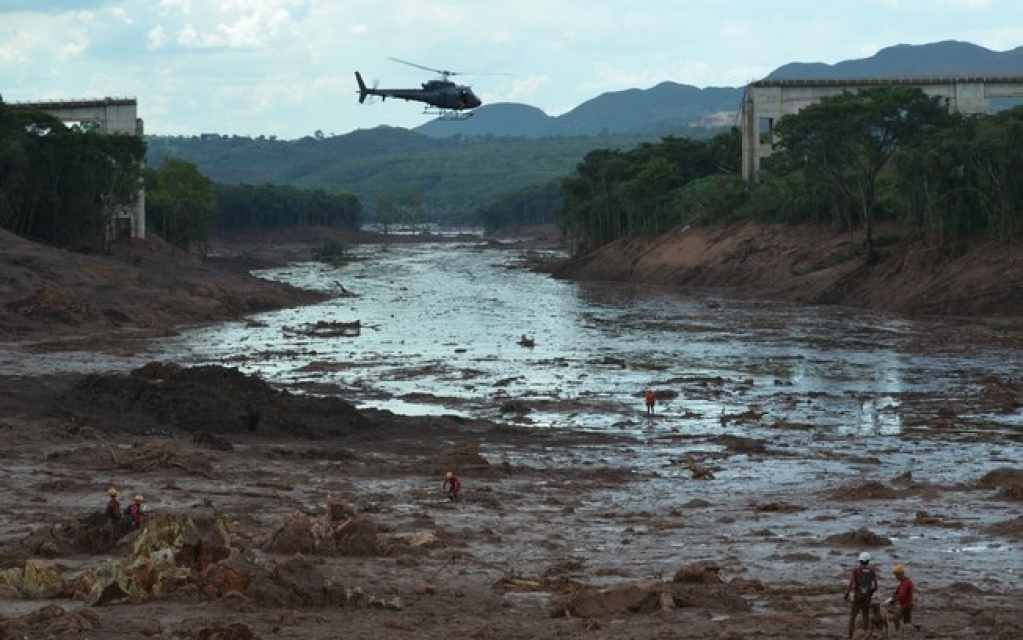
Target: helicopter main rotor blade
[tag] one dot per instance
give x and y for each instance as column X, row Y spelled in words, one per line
column 424, row 68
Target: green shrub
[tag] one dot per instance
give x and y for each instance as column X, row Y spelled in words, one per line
column 331, row 252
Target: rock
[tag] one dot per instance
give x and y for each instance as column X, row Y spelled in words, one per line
column 295, row 582
column 112, row 593
column 698, row 573
column 230, row 574
column 861, row 537
column 357, row 538
column 302, row 580
column 586, row 603
column 424, row 539
column 294, row 535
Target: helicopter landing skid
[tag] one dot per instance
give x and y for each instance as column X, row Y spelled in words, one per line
column 448, row 114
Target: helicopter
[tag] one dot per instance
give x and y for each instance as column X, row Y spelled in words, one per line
column 442, row 97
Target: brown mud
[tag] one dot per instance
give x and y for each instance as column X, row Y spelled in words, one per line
column 815, row 265
column 276, row 515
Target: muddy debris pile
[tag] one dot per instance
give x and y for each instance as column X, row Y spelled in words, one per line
column 138, row 457
column 861, row 538
column 697, row 585
column 1007, row 481
column 166, row 399
column 186, row 557
column 355, row 535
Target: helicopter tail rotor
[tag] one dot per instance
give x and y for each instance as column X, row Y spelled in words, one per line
column 368, row 95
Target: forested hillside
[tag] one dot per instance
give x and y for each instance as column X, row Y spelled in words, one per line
column 887, row 154
column 451, row 178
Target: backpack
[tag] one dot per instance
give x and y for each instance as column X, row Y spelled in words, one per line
column 864, row 580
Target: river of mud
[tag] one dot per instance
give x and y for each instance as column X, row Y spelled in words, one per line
column 850, row 396
column 814, row 422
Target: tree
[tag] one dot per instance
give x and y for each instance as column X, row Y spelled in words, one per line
column 64, row 185
column 180, row 203
column 846, row 140
column 399, row 208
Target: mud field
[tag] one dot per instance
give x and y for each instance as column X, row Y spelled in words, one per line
column 544, row 543
column 274, row 514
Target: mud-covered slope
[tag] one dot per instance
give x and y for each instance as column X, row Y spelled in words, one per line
column 143, row 285
column 814, row 265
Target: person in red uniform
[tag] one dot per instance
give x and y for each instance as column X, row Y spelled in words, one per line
column 135, row 515
column 113, row 510
column 862, row 584
column 903, row 597
column 452, row 485
column 651, row 400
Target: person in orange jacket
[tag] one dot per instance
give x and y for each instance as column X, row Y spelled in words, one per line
column 651, row 400
column 903, row 597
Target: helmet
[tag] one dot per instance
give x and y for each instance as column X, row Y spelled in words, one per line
column 864, row 557
column 139, row 497
column 449, row 475
column 898, row 570
column 112, row 492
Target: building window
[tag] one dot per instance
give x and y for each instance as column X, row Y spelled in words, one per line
column 766, row 129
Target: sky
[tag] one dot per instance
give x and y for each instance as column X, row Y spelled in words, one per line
column 285, row 68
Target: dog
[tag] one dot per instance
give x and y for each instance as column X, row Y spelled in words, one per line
column 882, row 614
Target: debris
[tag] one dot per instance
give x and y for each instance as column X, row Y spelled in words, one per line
column 325, row 329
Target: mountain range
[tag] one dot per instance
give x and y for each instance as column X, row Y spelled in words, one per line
column 671, row 107
column 456, row 167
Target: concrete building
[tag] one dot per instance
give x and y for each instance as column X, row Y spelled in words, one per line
column 111, row 116
column 766, row 101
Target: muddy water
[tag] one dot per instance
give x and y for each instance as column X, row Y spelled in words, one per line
column 839, row 397
column 441, row 327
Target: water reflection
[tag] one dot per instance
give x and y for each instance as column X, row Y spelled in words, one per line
column 441, row 326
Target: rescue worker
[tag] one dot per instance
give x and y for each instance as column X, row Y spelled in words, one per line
column 452, row 485
column 651, row 400
column 862, row 584
column 113, row 510
column 903, row 598
column 135, row 513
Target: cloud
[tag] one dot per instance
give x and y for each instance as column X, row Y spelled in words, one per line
column 285, row 66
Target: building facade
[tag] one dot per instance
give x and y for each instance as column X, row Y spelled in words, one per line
column 767, row 101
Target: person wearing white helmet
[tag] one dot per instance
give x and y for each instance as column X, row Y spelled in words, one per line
column 862, row 584
column 135, row 514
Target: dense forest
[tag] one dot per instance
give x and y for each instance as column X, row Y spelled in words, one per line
column 890, row 153
column 62, row 185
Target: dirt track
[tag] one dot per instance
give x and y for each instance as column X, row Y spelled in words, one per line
column 546, row 542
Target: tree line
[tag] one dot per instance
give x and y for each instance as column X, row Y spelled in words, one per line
column 850, row 160
column 63, row 185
